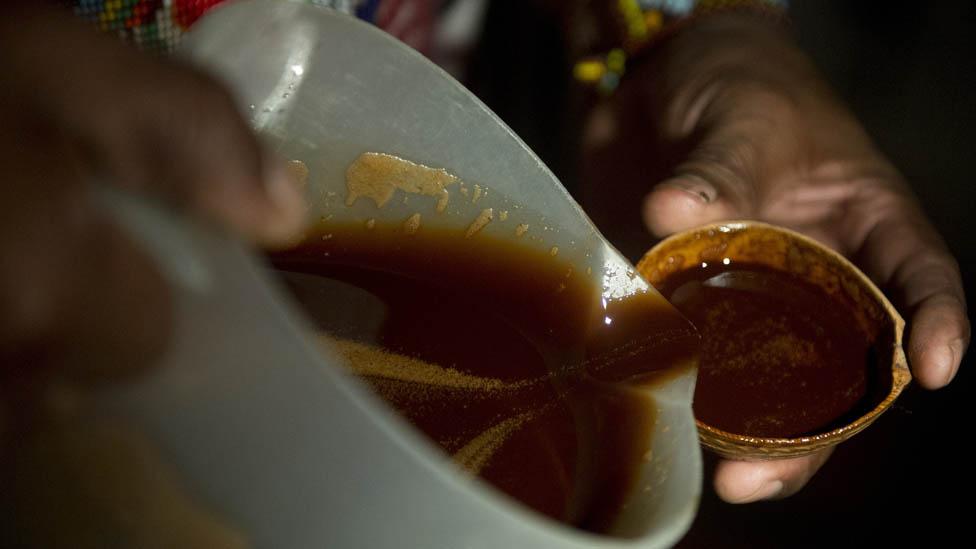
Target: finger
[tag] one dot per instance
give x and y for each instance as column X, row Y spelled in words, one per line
column 197, row 151
column 682, row 203
column 902, row 251
column 75, row 292
column 119, row 317
column 153, row 125
column 938, row 338
column 717, row 181
column 750, row 481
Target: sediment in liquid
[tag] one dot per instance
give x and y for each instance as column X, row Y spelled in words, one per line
column 780, row 357
column 501, row 354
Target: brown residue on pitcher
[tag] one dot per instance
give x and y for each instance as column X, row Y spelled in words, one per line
column 378, row 176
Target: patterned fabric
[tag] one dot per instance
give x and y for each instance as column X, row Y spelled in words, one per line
column 158, row 25
column 635, row 25
column 630, row 26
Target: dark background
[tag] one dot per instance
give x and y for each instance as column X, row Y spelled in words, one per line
column 906, row 70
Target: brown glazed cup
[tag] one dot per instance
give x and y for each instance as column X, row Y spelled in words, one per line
column 786, row 250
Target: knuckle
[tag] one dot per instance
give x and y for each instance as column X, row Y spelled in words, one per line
column 218, row 130
column 729, row 167
column 181, row 98
column 214, row 100
column 207, row 101
column 929, row 279
column 935, row 269
column 197, row 135
column 754, row 100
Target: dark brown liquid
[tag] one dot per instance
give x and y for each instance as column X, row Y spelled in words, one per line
column 780, row 357
column 501, row 354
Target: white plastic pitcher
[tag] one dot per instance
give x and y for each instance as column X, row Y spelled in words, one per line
column 263, row 424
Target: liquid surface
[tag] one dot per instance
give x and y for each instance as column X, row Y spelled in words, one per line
column 503, row 355
column 780, row 357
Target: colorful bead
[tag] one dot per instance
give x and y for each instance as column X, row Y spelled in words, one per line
column 589, row 71
column 644, row 21
column 633, row 18
column 616, row 60
column 654, row 20
column 609, row 82
column 154, row 25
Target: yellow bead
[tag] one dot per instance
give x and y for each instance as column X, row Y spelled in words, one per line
column 637, row 30
column 589, row 71
column 633, row 18
column 616, row 60
column 653, row 20
column 628, row 8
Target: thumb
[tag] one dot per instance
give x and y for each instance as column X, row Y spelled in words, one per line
column 684, row 202
column 717, row 181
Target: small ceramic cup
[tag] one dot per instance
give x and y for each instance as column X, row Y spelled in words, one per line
column 785, row 250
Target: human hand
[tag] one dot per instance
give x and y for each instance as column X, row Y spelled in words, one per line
column 75, row 292
column 770, row 142
column 773, row 144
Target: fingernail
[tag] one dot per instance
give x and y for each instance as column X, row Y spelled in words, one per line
column 285, row 193
column 695, row 186
column 283, row 189
column 949, row 360
column 769, row 490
